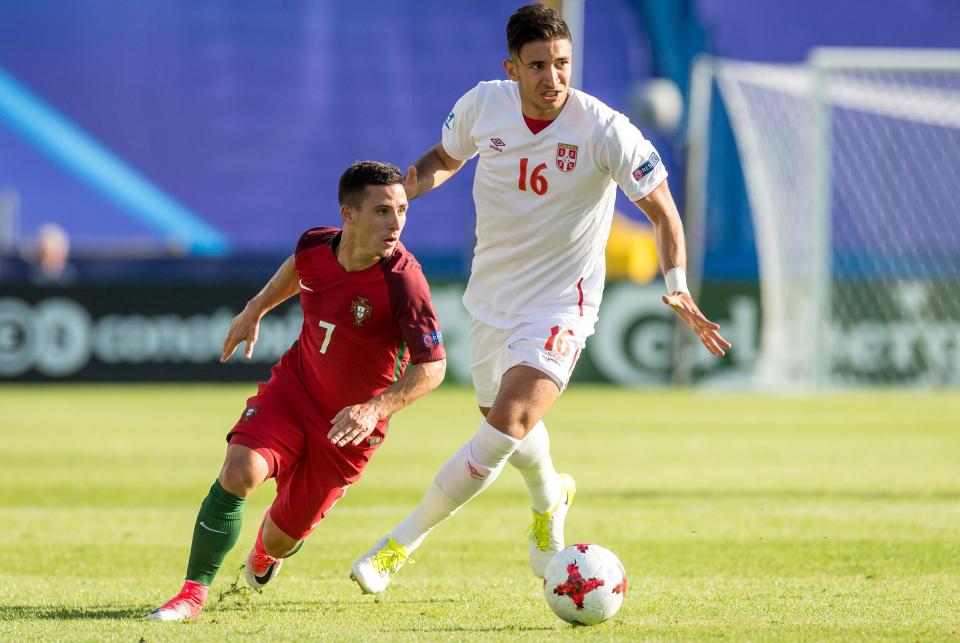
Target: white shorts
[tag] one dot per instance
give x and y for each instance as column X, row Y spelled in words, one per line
column 550, row 344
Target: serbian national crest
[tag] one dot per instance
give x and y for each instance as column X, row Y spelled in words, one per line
column 361, row 309
column 566, row 157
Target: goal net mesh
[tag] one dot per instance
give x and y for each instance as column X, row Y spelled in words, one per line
column 853, row 176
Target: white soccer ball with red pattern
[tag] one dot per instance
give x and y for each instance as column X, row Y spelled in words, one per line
column 585, row 584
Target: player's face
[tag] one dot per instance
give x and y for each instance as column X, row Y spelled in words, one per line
column 542, row 70
column 378, row 222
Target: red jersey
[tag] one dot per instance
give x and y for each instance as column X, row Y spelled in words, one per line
column 360, row 329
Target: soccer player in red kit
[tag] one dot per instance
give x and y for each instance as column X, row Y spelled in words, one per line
column 314, row 425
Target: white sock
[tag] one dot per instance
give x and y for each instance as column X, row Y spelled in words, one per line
column 532, row 459
column 468, row 472
column 434, row 508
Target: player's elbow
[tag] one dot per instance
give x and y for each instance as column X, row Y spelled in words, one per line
column 658, row 206
column 435, row 372
column 448, row 163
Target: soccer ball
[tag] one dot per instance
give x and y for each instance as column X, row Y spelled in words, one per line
column 585, row 584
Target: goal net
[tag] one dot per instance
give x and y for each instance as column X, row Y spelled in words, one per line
column 852, row 167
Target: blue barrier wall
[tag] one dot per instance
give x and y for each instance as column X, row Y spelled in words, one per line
column 238, row 118
column 222, row 126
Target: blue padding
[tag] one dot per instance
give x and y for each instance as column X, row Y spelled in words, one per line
column 81, row 154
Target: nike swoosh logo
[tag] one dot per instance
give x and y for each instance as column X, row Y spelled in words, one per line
column 266, row 575
column 217, row 531
column 305, row 287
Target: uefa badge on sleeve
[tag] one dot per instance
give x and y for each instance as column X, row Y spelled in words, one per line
column 433, row 338
column 566, row 157
column 646, row 167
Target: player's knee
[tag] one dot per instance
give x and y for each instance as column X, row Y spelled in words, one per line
column 278, row 544
column 516, row 422
column 243, row 470
column 239, row 478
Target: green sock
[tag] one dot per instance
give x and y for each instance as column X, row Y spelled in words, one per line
column 214, row 534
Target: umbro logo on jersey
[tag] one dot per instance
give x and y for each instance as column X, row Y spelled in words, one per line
column 449, row 122
column 497, row 144
column 647, row 167
column 361, row 310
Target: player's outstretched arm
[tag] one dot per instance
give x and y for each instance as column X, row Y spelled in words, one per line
column 355, row 423
column 430, row 171
column 659, row 207
column 246, row 326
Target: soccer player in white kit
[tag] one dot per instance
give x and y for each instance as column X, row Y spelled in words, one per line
column 551, row 159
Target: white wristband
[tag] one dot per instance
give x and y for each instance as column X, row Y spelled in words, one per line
column 676, row 280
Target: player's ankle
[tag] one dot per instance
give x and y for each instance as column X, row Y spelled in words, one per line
column 197, row 591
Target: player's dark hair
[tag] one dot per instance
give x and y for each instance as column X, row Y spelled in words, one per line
column 354, row 182
column 532, row 23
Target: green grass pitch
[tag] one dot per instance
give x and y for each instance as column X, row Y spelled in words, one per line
column 737, row 518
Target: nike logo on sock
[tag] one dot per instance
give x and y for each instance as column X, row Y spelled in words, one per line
column 217, row 531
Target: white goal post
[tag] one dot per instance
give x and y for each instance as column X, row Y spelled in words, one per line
column 852, row 169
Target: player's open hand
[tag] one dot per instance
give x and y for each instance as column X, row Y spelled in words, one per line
column 410, row 183
column 244, row 328
column 353, row 424
column 706, row 330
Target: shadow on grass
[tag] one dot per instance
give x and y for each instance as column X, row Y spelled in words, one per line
column 316, row 604
column 12, row 613
column 68, row 613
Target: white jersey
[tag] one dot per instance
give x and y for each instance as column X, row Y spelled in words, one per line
column 544, row 201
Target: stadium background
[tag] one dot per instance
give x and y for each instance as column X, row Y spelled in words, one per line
column 184, row 146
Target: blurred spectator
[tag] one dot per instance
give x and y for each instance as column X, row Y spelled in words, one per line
column 631, row 250
column 50, row 264
column 9, row 219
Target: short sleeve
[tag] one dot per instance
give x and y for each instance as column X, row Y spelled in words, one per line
column 315, row 237
column 631, row 160
column 312, row 238
column 414, row 314
column 456, row 135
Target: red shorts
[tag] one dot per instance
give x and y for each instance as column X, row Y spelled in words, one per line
column 312, row 474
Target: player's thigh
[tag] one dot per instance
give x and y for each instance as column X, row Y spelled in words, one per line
column 526, row 394
column 267, row 428
column 488, row 351
column 307, row 494
column 538, row 363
